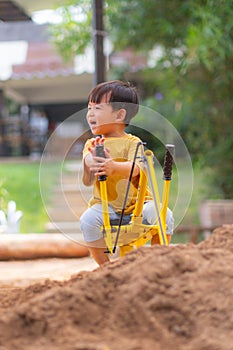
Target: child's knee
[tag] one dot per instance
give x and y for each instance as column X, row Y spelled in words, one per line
column 91, row 217
column 90, row 225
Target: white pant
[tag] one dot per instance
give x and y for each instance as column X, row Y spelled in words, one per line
column 92, row 220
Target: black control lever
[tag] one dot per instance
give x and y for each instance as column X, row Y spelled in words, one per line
column 168, row 162
column 99, row 152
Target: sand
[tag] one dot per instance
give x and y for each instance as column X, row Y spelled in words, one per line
column 158, row 298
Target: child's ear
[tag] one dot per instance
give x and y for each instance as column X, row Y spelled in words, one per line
column 121, row 114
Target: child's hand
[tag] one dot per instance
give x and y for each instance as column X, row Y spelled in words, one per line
column 100, row 165
column 97, row 141
column 97, row 162
column 105, row 165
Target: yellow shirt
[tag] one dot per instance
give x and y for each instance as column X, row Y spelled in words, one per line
column 122, row 149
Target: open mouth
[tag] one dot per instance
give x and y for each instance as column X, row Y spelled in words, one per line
column 93, row 125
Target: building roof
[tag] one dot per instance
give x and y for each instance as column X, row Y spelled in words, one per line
column 33, row 5
column 21, row 10
column 10, row 11
column 33, row 72
column 42, row 60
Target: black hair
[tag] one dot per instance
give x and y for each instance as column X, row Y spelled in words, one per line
column 119, row 94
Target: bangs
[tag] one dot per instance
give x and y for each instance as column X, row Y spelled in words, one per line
column 100, row 94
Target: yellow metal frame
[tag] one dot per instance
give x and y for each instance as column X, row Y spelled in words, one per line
column 136, row 234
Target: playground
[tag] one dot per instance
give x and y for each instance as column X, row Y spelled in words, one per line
column 160, row 296
column 163, row 297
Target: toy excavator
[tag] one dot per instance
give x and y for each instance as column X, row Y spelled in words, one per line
column 135, row 234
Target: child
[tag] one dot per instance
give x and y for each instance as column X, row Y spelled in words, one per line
column 111, row 106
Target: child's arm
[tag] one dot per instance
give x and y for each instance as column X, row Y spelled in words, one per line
column 88, row 175
column 91, row 164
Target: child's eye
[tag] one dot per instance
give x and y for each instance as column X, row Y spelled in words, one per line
column 93, row 107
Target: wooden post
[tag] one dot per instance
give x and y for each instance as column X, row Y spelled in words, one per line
column 38, row 246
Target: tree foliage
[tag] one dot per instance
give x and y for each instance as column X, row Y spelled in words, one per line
column 192, row 83
column 74, row 33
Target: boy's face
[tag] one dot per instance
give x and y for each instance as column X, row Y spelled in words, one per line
column 101, row 118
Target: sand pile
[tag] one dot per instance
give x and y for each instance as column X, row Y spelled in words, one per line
column 155, row 298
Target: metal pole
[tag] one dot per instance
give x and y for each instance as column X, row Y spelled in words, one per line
column 98, row 36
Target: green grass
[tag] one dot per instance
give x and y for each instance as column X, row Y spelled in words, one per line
column 21, row 181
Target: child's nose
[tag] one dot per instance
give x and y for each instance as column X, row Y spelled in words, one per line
column 90, row 111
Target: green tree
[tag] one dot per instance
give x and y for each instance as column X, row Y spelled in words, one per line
column 194, row 76
column 74, row 33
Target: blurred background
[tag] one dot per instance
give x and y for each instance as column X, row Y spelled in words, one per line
column 179, row 54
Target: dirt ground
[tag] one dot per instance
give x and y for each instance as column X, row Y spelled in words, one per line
column 158, row 298
column 19, row 273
